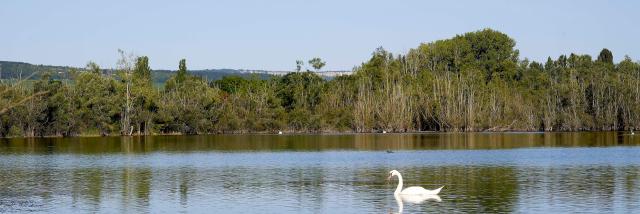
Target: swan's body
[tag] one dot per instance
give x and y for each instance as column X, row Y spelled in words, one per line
column 415, row 190
column 420, row 191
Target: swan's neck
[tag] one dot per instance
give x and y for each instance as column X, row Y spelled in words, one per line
column 399, row 188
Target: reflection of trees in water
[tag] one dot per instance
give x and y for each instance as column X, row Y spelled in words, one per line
column 604, row 186
column 136, row 187
column 310, row 186
column 475, row 189
column 630, row 183
column 294, row 188
column 101, row 145
column 467, row 188
column 87, row 187
column 186, row 181
column 179, row 183
column 370, row 185
column 28, row 189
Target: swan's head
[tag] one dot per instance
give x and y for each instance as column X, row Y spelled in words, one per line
column 393, row 173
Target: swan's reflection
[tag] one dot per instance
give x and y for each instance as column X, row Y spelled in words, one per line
column 414, row 199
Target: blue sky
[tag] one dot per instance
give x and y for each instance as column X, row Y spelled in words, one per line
column 273, row 34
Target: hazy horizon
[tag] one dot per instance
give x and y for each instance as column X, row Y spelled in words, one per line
column 258, row 35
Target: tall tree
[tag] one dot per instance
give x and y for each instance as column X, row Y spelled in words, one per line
column 181, row 75
column 125, row 72
column 317, row 63
column 144, row 96
column 605, row 56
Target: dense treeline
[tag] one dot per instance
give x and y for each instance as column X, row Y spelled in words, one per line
column 472, row 82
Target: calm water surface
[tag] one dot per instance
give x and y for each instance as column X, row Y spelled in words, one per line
column 495, row 173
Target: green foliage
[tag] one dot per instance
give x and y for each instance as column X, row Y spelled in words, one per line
column 471, row 82
column 232, row 84
column 94, row 68
column 605, row 56
column 142, row 71
column 488, row 50
column 317, row 63
column 181, row 75
column 300, row 90
column 97, row 101
column 143, row 97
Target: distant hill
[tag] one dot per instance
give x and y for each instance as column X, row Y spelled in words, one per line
column 18, row 70
column 21, row 70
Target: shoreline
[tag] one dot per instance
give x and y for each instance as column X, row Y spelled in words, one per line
column 317, row 133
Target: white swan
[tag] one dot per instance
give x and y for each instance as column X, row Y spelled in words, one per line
column 415, row 190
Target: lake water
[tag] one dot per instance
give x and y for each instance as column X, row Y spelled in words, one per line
column 481, row 172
